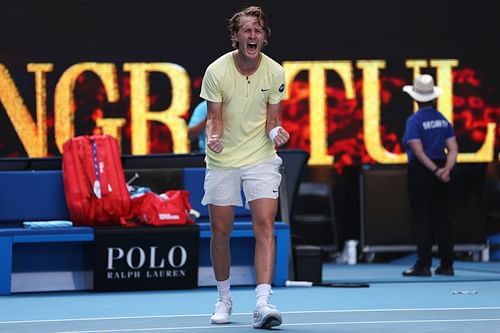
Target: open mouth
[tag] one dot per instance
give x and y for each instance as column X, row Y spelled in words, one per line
column 252, row 46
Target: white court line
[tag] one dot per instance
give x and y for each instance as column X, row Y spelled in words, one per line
column 161, row 329
column 102, row 318
column 240, row 313
column 394, row 310
column 294, row 324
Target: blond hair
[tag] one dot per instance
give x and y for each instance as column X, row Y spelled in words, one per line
column 234, row 22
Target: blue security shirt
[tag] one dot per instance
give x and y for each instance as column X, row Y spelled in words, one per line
column 432, row 129
column 199, row 114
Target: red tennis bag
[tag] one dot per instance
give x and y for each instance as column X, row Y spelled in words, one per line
column 171, row 207
column 94, row 182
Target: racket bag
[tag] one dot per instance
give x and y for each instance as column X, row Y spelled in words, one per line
column 94, row 182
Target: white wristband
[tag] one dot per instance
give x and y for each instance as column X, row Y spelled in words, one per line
column 274, row 132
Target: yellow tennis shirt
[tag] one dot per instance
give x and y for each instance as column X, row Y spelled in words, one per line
column 244, row 109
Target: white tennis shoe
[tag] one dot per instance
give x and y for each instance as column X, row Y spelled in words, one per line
column 222, row 312
column 266, row 316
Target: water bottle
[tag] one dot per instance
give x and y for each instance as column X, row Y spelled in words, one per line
column 352, row 255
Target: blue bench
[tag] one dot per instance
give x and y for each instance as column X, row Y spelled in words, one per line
column 54, row 259
column 25, row 263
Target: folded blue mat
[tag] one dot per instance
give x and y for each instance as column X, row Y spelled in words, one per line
column 47, row 224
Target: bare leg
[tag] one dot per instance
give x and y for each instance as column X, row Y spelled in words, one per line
column 263, row 215
column 221, row 222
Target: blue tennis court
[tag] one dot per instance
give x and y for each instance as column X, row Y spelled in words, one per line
column 467, row 302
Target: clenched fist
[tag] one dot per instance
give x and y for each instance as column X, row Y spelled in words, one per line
column 214, row 143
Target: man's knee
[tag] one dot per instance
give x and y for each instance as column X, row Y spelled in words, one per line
column 264, row 229
column 221, row 231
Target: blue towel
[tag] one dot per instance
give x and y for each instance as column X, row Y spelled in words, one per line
column 137, row 191
column 47, row 224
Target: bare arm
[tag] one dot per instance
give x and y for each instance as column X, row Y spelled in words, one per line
column 214, row 127
column 281, row 136
column 451, row 159
column 418, row 150
column 195, row 131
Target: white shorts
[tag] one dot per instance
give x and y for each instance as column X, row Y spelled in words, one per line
column 223, row 187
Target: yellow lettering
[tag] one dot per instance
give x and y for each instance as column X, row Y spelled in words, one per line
column 371, row 114
column 31, row 127
column 64, row 96
column 444, row 80
column 33, row 134
column 486, row 152
column 445, row 105
column 111, row 126
column 317, row 100
column 172, row 116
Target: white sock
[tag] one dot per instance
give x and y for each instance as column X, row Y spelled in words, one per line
column 262, row 293
column 223, row 287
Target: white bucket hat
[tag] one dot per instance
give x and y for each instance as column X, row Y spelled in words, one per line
column 423, row 89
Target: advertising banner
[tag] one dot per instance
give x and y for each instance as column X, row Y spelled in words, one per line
column 146, row 258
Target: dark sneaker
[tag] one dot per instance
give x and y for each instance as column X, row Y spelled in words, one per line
column 444, row 271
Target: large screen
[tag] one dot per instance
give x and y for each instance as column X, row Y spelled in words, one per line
column 133, row 69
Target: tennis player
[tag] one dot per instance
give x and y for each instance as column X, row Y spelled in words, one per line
column 243, row 89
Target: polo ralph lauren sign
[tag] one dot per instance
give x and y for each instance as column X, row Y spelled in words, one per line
column 146, row 258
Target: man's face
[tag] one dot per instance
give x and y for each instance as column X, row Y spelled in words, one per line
column 251, row 37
